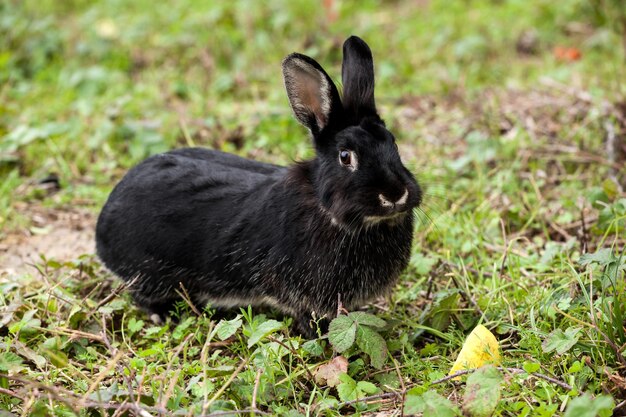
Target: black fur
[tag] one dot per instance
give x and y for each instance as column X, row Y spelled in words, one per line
column 234, row 232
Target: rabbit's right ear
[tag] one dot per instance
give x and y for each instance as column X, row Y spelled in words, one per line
column 312, row 94
column 357, row 73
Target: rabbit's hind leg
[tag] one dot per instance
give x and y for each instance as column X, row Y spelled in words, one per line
column 157, row 310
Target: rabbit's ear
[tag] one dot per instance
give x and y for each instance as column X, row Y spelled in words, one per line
column 357, row 73
column 312, row 94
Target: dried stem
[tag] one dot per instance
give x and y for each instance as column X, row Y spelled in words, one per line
column 255, row 391
column 228, row 382
column 235, row 412
column 185, row 296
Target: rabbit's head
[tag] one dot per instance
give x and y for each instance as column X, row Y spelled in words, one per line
column 357, row 175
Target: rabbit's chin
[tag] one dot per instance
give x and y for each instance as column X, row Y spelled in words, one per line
column 366, row 221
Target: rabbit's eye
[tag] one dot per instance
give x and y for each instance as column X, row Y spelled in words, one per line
column 348, row 159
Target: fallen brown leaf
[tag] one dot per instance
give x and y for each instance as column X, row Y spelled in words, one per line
column 328, row 374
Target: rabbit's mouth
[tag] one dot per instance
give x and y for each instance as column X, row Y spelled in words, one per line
column 391, row 218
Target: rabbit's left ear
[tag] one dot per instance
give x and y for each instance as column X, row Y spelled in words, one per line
column 357, row 73
column 312, row 94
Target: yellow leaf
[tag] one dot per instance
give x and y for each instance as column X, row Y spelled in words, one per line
column 480, row 348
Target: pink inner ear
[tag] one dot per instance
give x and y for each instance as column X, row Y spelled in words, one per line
column 310, row 94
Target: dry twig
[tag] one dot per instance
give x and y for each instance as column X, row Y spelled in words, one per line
column 255, row 391
column 185, row 296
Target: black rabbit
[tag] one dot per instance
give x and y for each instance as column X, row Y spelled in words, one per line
column 236, row 232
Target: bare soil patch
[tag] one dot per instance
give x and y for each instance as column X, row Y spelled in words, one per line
column 59, row 234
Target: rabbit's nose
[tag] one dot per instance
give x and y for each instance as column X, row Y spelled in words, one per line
column 402, row 200
column 397, row 204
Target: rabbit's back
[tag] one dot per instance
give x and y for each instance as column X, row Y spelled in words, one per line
column 159, row 215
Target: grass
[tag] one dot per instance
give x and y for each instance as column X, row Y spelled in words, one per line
column 523, row 228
